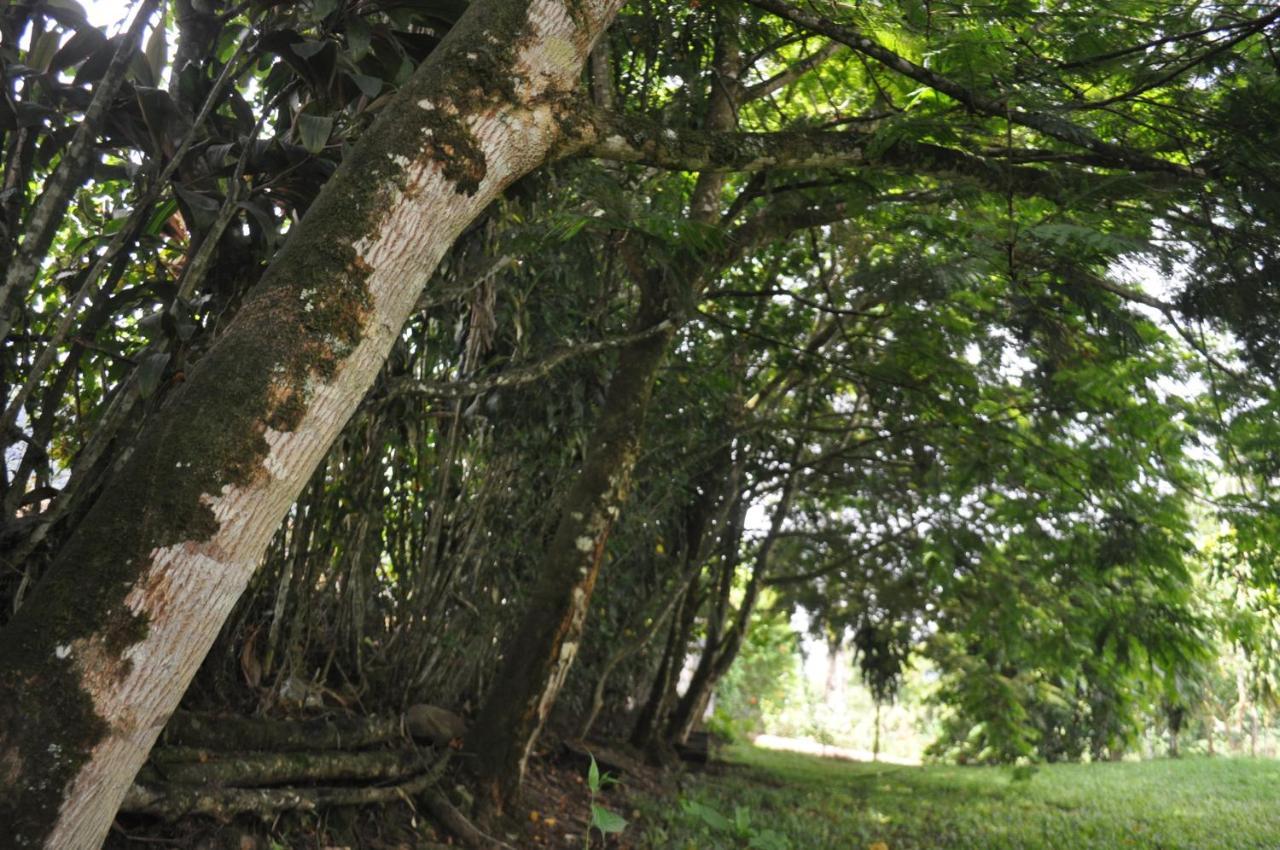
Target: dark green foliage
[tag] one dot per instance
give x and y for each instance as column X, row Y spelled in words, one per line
column 999, row 450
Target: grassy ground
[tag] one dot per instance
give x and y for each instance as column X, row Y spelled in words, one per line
column 772, row 800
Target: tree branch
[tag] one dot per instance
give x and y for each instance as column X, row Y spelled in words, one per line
column 792, row 73
column 520, row 374
column 632, row 139
column 1050, row 125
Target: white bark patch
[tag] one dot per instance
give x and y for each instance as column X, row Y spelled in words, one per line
column 559, row 672
column 272, row 462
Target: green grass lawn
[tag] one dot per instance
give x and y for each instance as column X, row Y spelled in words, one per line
column 771, row 800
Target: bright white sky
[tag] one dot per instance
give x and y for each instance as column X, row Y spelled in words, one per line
column 108, row 12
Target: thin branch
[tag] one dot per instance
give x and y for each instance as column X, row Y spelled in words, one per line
column 518, row 375
column 789, row 75
column 1050, row 125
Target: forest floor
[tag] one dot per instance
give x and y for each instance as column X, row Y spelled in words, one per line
column 760, row 799
column 756, row 798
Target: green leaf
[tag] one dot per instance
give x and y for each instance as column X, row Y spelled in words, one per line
column 69, row 6
column 767, row 839
column 359, row 37
column 77, row 49
column 371, row 87
column 314, row 131
column 41, row 55
column 161, row 215
column 307, row 49
column 150, row 370
column 708, row 815
column 155, row 52
column 593, row 776
column 606, row 821
column 324, row 8
column 203, row 208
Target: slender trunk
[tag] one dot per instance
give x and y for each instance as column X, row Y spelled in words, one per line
column 875, row 743
column 695, row 700
column 628, row 650
column 695, row 696
column 704, row 519
column 833, row 670
column 652, row 710
column 544, row 645
column 97, row 659
column 652, row 722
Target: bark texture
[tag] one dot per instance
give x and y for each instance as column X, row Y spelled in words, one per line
column 546, row 642
column 96, row 661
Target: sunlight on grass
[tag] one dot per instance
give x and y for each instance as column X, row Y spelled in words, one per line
column 813, row 803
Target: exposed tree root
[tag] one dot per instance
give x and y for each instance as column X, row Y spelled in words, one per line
column 175, row 801
column 457, row 823
column 184, row 766
column 221, row 767
column 227, row 732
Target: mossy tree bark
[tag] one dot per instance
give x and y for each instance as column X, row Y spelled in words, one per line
column 96, row 661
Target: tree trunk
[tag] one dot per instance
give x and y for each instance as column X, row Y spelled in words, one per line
column 719, row 660
column 622, row 654
column 704, row 518
column 654, row 711
column 545, row 644
column 695, row 696
column 96, row 661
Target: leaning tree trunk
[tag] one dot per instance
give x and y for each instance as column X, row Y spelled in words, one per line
column 97, row 660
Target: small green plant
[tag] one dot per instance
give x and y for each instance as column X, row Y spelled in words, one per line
column 606, row 821
column 739, row 827
column 1024, row 772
